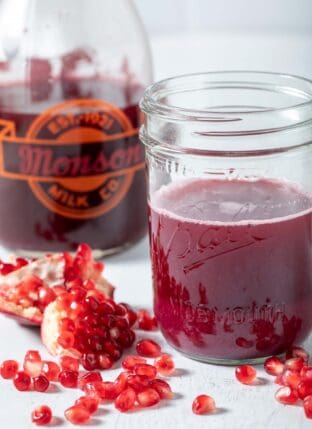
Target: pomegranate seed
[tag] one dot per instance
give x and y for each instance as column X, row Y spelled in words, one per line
column 145, row 370
column 125, row 401
column 105, row 390
column 148, row 397
column 246, row 374
column 295, row 364
column 51, row 370
column 9, row 369
column 89, row 377
column 121, row 381
column 104, row 361
column 307, row 406
column 69, row 363
column 41, row 383
column 162, row 387
column 42, row 415
column 138, row 383
column 145, row 321
column 164, row 365
column 90, row 404
column 148, row 348
column 279, row 380
column 274, row 366
column 67, row 324
column 32, row 363
column 203, row 404
column 297, row 352
column 22, row 381
column 286, row 395
column 46, row 295
column 66, row 340
column 291, row 378
column 306, row 373
column 33, row 355
column 89, row 361
column 304, row 389
column 131, row 361
column 77, row 415
column 69, row 379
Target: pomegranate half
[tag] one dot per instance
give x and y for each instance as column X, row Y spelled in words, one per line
column 27, row 287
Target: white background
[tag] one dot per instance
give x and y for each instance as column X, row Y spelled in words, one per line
column 202, row 35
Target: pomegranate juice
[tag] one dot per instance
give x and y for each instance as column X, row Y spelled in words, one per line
column 88, row 184
column 232, row 267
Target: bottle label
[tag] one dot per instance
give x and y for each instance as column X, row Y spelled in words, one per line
column 79, row 157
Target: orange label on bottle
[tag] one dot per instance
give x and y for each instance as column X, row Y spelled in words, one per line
column 79, row 157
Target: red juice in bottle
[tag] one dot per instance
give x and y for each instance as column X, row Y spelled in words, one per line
column 232, row 266
column 88, row 184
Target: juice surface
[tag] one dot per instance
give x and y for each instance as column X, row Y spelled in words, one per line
column 232, row 266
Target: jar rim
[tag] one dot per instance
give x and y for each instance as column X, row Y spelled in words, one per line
column 153, row 104
column 253, row 112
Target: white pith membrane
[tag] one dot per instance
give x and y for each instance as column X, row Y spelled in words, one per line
column 50, row 331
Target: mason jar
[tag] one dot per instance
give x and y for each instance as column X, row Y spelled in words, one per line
column 229, row 158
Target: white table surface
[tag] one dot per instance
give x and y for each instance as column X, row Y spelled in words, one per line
column 239, row 406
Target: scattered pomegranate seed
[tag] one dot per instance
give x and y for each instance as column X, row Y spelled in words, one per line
column 90, row 404
column 122, row 380
column 297, row 352
column 162, row 387
column 131, row 361
column 286, row 395
column 22, row 381
column 304, row 389
column 69, row 363
column 137, row 382
column 306, row 373
column 295, row 364
column 77, row 415
column 9, row 369
column 42, row 415
column 291, row 378
column 51, row 370
column 89, row 377
column 307, row 406
column 246, row 374
column 148, row 397
column 148, row 348
column 33, row 363
column 69, row 379
column 146, row 322
column 145, row 370
column 203, row 404
column 125, row 401
column 164, row 365
column 106, row 390
column 41, row 383
column 274, row 366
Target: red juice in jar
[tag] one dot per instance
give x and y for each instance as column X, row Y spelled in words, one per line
column 232, row 264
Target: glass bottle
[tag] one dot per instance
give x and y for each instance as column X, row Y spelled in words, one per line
column 72, row 167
